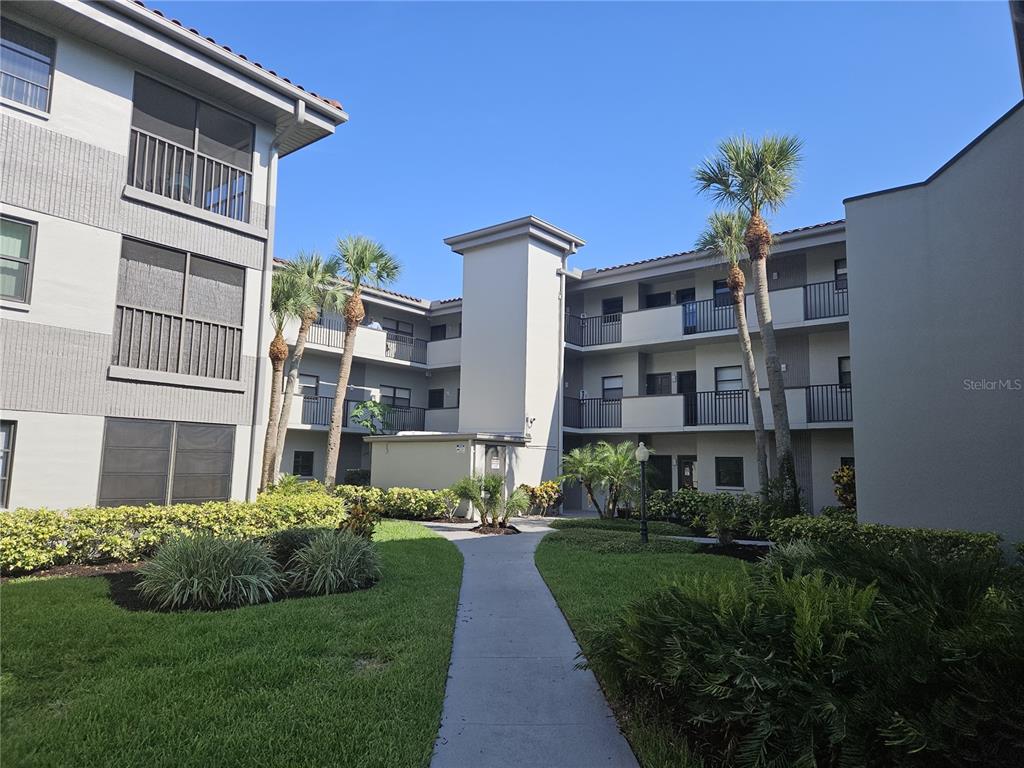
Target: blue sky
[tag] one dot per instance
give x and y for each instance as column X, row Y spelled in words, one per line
column 593, row 115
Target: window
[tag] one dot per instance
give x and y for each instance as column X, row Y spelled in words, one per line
column 190, row 151
column 137, row 466
column 612, row 306
column 438, row 332
column 723, row 296
column 302, row 463
column 841, row 275
column 403, row 327
column 17, row 244
column 846, row 461
column 309, row 385
column 7, row 430
column 435, row 398
column 845, row 374
column 659, row 384
column 662, row 299
column 729, row 471
column 611, row 388
column 26, row 65
column 398, row 397
column 686, row 295
column 177, row 312
column 728, row 378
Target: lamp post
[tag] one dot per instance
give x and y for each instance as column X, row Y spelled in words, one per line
column 642, row 454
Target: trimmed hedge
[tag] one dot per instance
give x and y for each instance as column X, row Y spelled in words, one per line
column 404, row 503
column 896, row 541
column 31, row 539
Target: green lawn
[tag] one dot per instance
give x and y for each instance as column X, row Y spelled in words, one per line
column 654, row 527
column 346, row 680
column 592, row 586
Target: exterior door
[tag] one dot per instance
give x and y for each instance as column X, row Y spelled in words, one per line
column 686, row 384
column 685, row 467
column 659, row 473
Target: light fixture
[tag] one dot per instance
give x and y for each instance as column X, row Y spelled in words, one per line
column 642, row 453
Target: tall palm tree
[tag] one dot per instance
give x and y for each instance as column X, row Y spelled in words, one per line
column 323, row 292
column 287, row 297
column 724, row 237
column 757, row 177
column 364, row 262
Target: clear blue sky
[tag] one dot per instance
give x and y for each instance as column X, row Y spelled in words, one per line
column 593, row 116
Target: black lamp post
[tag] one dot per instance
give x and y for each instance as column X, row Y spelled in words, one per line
column 642, row 454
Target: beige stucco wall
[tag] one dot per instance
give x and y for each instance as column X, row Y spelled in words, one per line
column 427, row 464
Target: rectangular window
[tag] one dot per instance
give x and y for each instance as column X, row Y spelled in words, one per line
column 26, row 65
column 435, row 398
column 17, row 246
column 661, row 299
column 438, row 332
column 7, row 430
column 686, row 295
column 177, row 312
column 723, row 296
column 612, row 306
column 398, row 397
column 161, row 462
column 190, row 151
column 659, row 383
column 840, row 267
column 611, row 388
column 403, row 327
column 309, row 385
column 728, row 378
column 846, row 461
column 729, row 471
column 845, row 374
column 302, row 463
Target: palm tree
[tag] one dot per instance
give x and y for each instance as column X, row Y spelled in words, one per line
column 322, row 292
column 363, row 262
column 287, row 298
column 487, row 495
column 757, row 177
column 582, row 466
column 603, row 467
column 724, row 237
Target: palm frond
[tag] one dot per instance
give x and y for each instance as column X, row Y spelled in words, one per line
column 365, row 262
column 723, row 235
column 751, row 175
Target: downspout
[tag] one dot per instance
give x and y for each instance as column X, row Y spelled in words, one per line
column 268, row 274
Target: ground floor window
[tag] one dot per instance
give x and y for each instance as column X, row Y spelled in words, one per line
column 302, row 463
column 7, row 429
column 435, row 398
column 165, row 462
column 729, row 471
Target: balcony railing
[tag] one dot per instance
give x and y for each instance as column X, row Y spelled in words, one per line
column 328, row 330
column 160, row 341
column 402, row 347
column 829, row 402
column 712, row 408
column 587, row 331
column 316, row 411
column 180, row 173
column 705, row 316
column 592, row 413
column 829, row 299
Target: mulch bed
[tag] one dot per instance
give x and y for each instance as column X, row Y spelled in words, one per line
column 78, row 570
column 746, row 552
column 490, row 530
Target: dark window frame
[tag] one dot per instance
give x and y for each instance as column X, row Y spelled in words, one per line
column 7, row 460
column 300, row 459
column 685, row 295
column 718, row 380
column 840, row 273
column 393, row 398
column 658, row 377
column 439, row 332
column 29, row 262
column 605, row 389
column 721, row 294
column 431, row 395
column 724, row 472
column 845, row 377
column 34, row 54
column 662, row 299
column 398, row 325
column 608, row 313
column 304, row 387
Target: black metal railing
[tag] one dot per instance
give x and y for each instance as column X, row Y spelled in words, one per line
column 710, row 408
column 403, row 347
column 828, row 299
column 328, row 330
column 829, row 402
column 587, row 331
column 591, row 413
column 316, row 411
column 705, row 316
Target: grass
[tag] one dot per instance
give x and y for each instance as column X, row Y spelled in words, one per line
column 352, row 679
column 654, row 527
column 592, row 582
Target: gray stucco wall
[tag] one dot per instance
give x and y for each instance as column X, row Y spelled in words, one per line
column 936, row 277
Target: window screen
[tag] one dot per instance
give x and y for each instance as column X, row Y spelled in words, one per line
column 26, row 65
column 728, row 378
column 202, row 462
column 16, row 242
column 611, row 388
column 659, row 384
column 395, row 396
column 150, row 277
column 163, row 111
column 435, row 398
column 225, row 137
column 729, row 471
column 438, row 332
column 661, row 299
column 612, row 306
column 302, row 463
column 215, row 291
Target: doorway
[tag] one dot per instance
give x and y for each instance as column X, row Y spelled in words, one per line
column 686, row 471
column 686, row 385
column 659, row 473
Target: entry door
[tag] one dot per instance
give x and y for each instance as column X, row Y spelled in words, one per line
column 685, row 467
column 659, row 473
column 686, row 384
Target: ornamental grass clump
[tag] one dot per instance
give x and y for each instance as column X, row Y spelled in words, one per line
column 206, row 572
column 334, row 561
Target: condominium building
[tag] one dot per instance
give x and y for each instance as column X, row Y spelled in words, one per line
column 139, row 163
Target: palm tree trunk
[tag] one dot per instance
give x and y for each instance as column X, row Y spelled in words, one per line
column 760, row 438
column 289, row 391
column 270, row 440
column 593, row 499
column 338, row 411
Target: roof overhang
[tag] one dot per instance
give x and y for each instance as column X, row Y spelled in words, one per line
column 527, row 226
column 447, row 437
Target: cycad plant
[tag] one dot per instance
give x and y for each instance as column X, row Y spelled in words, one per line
column 724, row 237
column 758, row 177
column 487, row 495
column 363, row 262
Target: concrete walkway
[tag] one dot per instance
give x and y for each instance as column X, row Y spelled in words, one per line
column 514, row 697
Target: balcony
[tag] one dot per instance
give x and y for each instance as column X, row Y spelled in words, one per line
column 181, row 174
column 702, row 409
column 399, row 346
column 829, row 402
column 316, row 412
column 329, row 331
column 591, row 413
column 444, row 352
column 706, row 316
column 588, row 331
column 442, row 419
column 828, row 299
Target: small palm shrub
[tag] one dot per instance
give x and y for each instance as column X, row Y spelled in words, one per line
column 334, row 562
column 207, row 572
column 487, row 495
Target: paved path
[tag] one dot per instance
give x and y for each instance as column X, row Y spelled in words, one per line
column 514, row 697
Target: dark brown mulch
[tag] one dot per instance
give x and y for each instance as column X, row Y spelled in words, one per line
column 740, row 551
column 491, row 530
column 78, row 570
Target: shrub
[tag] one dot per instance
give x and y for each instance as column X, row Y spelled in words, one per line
column 840, row 513
column 543, row 497
column 34, row 539
column 887, row 539
column 846, row 487
column 357, row 477
column 285, row 543
column 206, row 572
column 746, row 515
column 360, row 522
column 487, row 495
column 334, row 562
